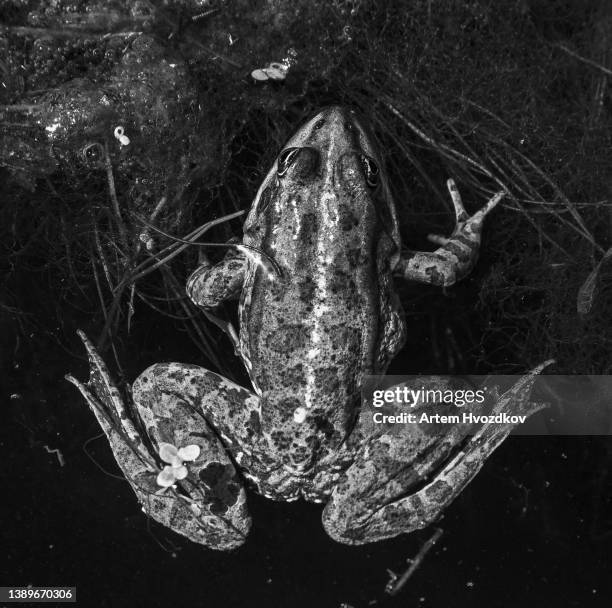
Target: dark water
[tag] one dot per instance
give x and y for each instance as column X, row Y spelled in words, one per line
column 534, row 528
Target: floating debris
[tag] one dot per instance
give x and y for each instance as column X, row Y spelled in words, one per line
column 274, row 71
column 119, row 134
column 56, row 451
column 396, row 582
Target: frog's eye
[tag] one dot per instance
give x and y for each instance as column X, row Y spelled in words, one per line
column 370, row 169
column 285, row 159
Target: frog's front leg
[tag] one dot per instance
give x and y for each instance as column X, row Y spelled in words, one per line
column 405, row 475
column 210, row 285
column 167, row 444
column 457, row 254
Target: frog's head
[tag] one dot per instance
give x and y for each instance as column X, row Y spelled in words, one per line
column 331, row 157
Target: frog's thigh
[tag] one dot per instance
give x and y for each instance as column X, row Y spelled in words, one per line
column 372, row 501
column 405, row 475
column 186, row 404
column 232, row 410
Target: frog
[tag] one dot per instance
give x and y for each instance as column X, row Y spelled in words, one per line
column 315, row 277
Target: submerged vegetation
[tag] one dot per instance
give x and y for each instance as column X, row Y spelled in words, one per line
column 510, row 95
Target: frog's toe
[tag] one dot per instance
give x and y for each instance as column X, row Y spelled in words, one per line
column 106, row 401
column 100, row 383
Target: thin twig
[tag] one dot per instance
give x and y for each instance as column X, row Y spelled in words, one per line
column 104, row 311
column 68, row 31
column 396, row 583
column 187, row 241
column 439, row 146
column 23, row 107
column 103, row 260
column 590, row 62
column 113, row 195
column 131, row 276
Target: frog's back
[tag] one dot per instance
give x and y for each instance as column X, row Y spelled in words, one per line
column 310, row 333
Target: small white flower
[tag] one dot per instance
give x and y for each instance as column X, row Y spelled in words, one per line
column 175, row 470
column 120, row 135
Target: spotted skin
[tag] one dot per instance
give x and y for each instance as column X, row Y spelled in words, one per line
column 190, row 508
column 373, row 500
column 318, row 312
column 457, row 254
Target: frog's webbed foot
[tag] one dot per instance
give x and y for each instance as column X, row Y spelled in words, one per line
column 404, row 478
column 457, row 254
column 171, row 457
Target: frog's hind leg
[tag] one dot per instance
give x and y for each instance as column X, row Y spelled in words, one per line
column 405, row 475
column 170, row 454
